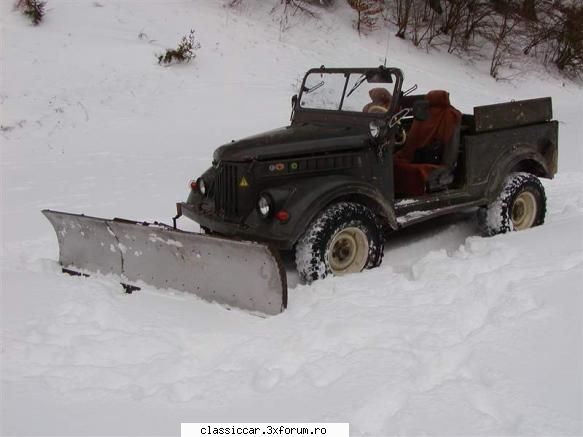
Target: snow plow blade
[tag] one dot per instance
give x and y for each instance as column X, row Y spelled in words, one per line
column 243, row 274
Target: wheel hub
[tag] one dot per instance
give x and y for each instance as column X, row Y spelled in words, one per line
column 348, row 251
column 524, row 211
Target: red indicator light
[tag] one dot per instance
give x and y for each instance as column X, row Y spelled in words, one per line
column 279, row 166
column 193, row 185
column 282, row 216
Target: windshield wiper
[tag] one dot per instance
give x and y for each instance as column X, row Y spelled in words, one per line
column 410, row 90
column 314, row 88
column 356, row 85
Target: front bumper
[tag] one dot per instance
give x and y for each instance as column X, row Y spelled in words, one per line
column 263, row 231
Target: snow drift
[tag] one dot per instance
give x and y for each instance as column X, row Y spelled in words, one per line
column 454, row 334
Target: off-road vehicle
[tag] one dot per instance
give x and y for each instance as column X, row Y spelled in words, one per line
column 325, row 185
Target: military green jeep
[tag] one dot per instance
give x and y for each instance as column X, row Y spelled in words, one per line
column 362, row 159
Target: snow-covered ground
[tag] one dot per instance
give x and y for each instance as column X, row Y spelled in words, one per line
column 454, row 335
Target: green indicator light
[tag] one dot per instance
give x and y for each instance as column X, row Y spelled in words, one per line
column 293, row 166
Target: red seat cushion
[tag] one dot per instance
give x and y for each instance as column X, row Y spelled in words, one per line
column 410, row 178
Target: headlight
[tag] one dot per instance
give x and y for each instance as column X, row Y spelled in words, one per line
column 201, row 186
column 375, row 129
column 264, row 205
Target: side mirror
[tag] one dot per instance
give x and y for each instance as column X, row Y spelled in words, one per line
column 421, row 110
column 381, row 76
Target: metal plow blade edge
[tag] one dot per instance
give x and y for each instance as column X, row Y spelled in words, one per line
column 243, row 274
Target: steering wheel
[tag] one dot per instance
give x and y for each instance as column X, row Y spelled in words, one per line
column 401, row 135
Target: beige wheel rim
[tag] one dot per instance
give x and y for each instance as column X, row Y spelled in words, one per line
column 524, row 211
column 348, row 251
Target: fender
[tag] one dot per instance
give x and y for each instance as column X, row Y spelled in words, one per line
column 524, row 158
column 308, row 197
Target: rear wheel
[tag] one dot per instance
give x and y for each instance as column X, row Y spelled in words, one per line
column 520, row 205
column 345, row 238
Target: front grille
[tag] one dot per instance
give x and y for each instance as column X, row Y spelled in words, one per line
column 226, row 190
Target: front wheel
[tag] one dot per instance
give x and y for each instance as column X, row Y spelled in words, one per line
column 345, row 238
column 520, row 205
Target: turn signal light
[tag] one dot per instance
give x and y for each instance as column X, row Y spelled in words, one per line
column 282, row 216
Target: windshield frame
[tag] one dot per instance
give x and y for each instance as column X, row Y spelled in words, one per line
column 395, row 72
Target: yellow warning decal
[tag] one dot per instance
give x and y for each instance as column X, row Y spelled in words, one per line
column 243, row 183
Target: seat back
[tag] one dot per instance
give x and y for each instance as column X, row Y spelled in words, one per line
column 442, row 125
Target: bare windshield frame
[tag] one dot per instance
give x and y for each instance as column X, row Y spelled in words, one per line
column 396, row 73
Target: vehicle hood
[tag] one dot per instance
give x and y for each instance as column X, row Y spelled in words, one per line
column 293, row 141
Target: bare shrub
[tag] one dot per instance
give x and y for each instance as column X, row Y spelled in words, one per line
column 528, row 9
column 462, row 21
column 293, row 8
column 450, row 22
column 474, row 21
column 185, row 52
column 403, row 11
column 423, row 20
column 499, row 33
column 557, row 36
column 321, row 3
column 33, row 9
column 569, row 42
column 299, row 4
column 368, row 12
column 550, row 31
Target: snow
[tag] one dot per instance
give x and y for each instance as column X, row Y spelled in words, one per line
column 155, row 239
column 414, row 215
column 405, row 202
column 453, row 334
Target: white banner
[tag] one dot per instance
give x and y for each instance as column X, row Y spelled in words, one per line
column 264, row 429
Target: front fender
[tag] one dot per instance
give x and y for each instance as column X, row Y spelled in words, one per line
column 305, row 199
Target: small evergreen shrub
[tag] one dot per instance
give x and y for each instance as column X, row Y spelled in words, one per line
column 185, row 52
column 34, row 9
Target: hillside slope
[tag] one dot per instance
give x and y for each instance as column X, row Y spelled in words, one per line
column 454, row 334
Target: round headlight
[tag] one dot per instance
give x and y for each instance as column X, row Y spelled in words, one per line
column 201, row 186
column 375, row 129
column 264, row 205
